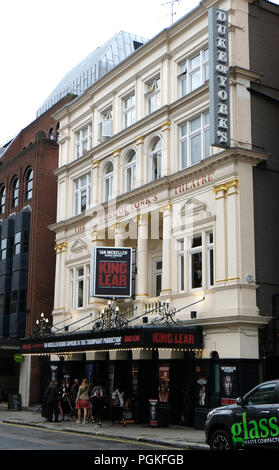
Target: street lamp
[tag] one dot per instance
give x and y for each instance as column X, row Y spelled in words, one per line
column 43, row 327
column 110, row 317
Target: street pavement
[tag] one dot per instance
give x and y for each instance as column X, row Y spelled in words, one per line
column 178, row 437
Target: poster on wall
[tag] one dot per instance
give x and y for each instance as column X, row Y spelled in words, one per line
column 228, row 385
column 202, row 395
column 135, row 376
column 112, row 272
column 153, row 412
column 164, row 383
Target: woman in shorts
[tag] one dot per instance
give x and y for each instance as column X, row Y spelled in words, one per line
column 82, row 400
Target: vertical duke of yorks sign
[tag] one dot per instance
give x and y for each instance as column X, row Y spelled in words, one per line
column 111, row 272
column 219, row 77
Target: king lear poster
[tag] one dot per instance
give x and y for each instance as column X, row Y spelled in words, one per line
column 111, row 272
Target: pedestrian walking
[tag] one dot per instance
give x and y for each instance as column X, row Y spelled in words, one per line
column 82, row 400
column 52, row 400
column 97, row 400
column 65, row 401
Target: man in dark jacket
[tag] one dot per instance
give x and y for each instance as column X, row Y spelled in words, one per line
column 52, row 398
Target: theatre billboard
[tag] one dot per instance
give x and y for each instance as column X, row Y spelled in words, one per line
column 112, row 272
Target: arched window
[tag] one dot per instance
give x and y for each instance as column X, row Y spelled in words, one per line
column 29, row 184
column 108, row 182
column 155, row 159
column 2, row 199
column 15, row 186
column 51, row 134
column 130, row 170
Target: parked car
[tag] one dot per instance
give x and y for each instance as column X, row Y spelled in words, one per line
column 253, row 421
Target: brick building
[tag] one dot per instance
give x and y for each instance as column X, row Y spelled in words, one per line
column 27, row 259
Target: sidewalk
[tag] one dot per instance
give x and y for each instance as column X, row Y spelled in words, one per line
column 178, row 437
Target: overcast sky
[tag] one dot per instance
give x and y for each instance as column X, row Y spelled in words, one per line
column 42, row 40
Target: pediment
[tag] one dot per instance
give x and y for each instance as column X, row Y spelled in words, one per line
column 193, row 205
column 78, row 246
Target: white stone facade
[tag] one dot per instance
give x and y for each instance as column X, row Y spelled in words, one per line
column 135, row 170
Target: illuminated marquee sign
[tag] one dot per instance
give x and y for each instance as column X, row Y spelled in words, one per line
column 112, row 272
column 219, row 78
column 124, row 338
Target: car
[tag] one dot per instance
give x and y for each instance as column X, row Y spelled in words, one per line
column 253, row 421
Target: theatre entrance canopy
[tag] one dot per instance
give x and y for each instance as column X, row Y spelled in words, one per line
column 122, row 339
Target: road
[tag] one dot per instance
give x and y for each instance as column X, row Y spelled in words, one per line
column 19, row 437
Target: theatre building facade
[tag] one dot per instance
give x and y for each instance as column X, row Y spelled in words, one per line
column 156, row 161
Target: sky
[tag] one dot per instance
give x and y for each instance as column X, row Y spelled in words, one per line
column 42, row 40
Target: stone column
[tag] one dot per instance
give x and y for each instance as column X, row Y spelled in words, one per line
column 140, row 176
column 96, row 302
column 95, row 183
column 62, row 279
column 24, row 381
column 116, row 173
column 221, row 234
column 57, row 277
column 166, row 167
column 119, row 236
column 142, row 257
column 167, row 251
column 59, row 298
column 205, row 260
column 232, row 230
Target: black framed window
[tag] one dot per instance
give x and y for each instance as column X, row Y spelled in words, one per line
column 29, row 185
column 15, row 192
column 3, row 250
column 17, row 243
column 2, row 199
column 14, row 301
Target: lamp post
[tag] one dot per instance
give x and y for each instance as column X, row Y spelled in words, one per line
column 110, row 317
column 43, row 327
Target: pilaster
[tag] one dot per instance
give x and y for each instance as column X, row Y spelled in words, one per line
column 166, row 166
column 167, row 251
column 140, row 162
column 142, row 257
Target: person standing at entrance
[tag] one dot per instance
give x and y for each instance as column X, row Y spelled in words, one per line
column 65, row 400
column 117, row 404
column 97, row 398
column 82, row 400
column 52, row 398
column 74, row 390
column 73, row 395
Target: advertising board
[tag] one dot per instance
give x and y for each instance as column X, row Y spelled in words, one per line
column 112, row 273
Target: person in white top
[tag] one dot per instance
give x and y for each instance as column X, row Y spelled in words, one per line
column 117, row 404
